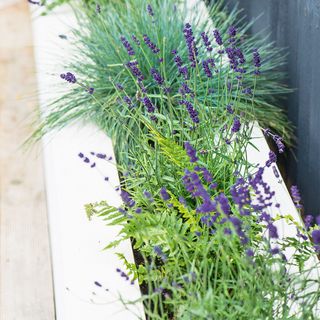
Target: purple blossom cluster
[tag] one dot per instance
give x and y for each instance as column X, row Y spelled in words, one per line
column 236, row 125
column 277, row 139
column 128, row 101
column 149, row 10
column 272, row 159
column 256, row 61
column 241, row 196
column 236, row 59
column 191, row 45
column 69, row 77
column 124, row 275
column 126, row 198
column 158, row 251
column 179, row 63
column 191, row 152
column 127, row 45
column 157, row 77
column 295, row 194
column 135, row 39
column 232, row 32
column 164, row 194
column 217, row 37
column 150, row 44
column 184, row 90
column 192, row 112
column 133, row 66
column 206, row 64
column 206, row 41
column 195, row 187
column 148, row 104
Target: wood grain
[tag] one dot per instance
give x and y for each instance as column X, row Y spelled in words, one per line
column 26, row 291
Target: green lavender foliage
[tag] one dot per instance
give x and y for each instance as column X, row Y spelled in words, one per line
column 98, row 59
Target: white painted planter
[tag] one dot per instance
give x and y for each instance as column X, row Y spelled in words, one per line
column 76, row 244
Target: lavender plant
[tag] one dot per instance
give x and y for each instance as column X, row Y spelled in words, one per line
column 198, row 212
column 156, row 40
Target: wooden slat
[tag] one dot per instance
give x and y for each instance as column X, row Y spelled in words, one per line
column 25, row 270
column 77, row 243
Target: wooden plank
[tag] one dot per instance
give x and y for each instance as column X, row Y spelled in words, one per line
column 26, row 290
column 77, row 243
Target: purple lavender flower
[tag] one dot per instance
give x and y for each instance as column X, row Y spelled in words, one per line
column 206, row 41
column 98, row 8
column 178, row 61
column 232, row 32
column 127, row 199
column 217, row 36
column 182, row 200
column 192, row 112
column 249, row 253
column 138, row 210
column 192, row 48
column 206, row 64
column 133, row 66
column 148, row 195
column 127, row 45
column 119, row 86
column 184, row 90
column 101, row 155
column 229, row 109
column 148, row 104
column 224, row 203
column 275, row 172
column 247, row 91
column 90, row 90
column 227, row 231
column 135, row 39
column 150, row 11
column 164, row 194
column 236, row 125
column 295, row 194
column 157, row 77
column 190, row 152
column 150, row 44
column 308, row 221
column 207, row 175
column 272, row 159
column 274, row 250
column 273, row 232
column 158, row 251
column 128, row 101
column 256, row 61
column 69, row 77
column 315, row 234
column 241, row 196
column 279, row 143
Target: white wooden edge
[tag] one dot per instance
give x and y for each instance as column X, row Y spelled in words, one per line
column 77, row 244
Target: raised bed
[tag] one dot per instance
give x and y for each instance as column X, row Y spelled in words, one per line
column 77, row 243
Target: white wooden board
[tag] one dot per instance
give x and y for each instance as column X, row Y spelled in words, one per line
column 76, row 242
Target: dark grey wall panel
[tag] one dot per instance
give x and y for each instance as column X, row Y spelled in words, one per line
column 296, row 24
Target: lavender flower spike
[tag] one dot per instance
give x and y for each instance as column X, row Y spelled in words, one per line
column 190, row 152
column 127, row 45
column 69, row 77
column 156, row 76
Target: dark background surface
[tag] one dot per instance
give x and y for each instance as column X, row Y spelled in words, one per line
column 295, row 24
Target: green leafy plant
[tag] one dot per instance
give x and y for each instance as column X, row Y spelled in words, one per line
column 182, row 111
column 96, row 45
